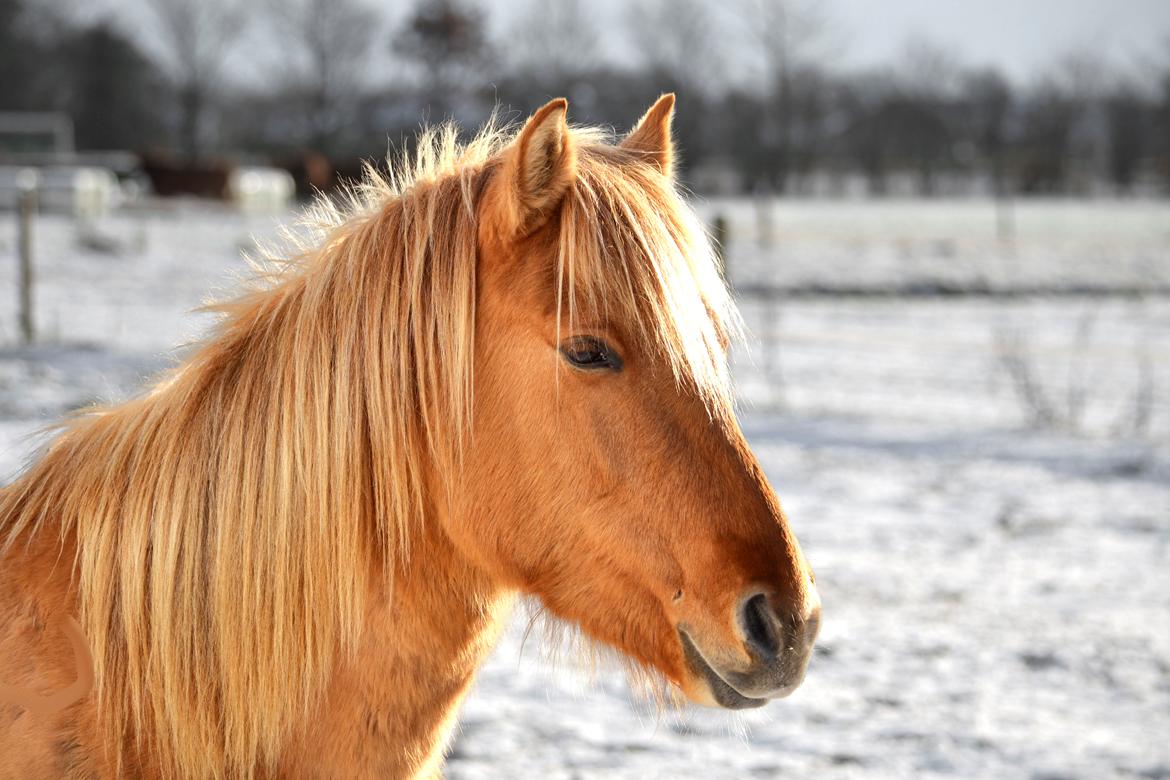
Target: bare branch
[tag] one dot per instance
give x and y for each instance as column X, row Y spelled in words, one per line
column 559, row 38
column 680, row 39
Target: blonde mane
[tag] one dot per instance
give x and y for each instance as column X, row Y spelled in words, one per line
column 229, row 524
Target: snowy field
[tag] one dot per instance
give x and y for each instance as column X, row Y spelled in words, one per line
column 982, row 483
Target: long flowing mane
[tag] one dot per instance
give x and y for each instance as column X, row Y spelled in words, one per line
column 229, row 525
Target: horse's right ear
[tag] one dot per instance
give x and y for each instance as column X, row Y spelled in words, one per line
column 537, row 170
column 650, row 138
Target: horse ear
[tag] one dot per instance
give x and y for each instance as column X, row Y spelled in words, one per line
column 650, row 138
column 539, row 167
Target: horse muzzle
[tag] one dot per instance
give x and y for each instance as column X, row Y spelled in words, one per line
column 779, row 650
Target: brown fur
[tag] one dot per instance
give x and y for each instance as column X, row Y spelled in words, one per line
column 292, row 554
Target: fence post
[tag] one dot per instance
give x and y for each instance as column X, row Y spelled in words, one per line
column 764, row 216
column 719, row 236
column 28, row 182
column 1005, row 223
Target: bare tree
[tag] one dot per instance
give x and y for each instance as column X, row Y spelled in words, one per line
column 926, row 79
column 679, row 40
column 988, row 98
column 1084, row 78
column 1129, row 115
column 789, row 37
column 326, row 50
column 1162, row 114
column 989, row 103
column 448, row 40
column 114, row 90
column 558, row 39
column 195, row 36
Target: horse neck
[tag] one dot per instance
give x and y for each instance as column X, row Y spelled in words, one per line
column 388, row 711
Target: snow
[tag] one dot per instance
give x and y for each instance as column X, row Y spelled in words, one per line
column 892, row 244
column 997, row 596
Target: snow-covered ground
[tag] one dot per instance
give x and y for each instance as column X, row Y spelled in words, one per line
column 947, row 244
column 997, row 595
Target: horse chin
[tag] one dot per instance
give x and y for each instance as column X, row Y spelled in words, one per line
column 718, row 692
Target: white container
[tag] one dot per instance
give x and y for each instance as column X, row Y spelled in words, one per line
column 257, row 190
column 82, row 191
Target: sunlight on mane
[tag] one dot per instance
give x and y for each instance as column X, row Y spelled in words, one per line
column 633, row 250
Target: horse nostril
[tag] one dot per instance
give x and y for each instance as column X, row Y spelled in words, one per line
column 759, row 626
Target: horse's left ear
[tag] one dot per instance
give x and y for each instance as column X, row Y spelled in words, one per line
column 650, row 138
column 538, row 169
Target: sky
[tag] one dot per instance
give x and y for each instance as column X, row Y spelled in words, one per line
column 1024, row 38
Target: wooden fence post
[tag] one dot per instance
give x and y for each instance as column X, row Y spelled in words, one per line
column 719, row 236
column 1005, row 223
column 765, row 205
column 25, row 215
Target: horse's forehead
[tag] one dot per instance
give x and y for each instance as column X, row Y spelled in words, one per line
column 615, row 218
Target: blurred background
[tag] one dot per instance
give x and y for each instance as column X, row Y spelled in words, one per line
column 948, row 227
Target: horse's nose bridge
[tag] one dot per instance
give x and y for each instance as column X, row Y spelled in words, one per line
column 748, row 502
column 742, row 492
column 745, row 540
column 769, row 550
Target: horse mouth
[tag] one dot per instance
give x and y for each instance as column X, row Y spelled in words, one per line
column 724, row 695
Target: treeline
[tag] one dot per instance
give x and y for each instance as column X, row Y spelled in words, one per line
column 761, row 106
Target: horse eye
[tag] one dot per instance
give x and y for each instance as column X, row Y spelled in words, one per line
column 591, row 354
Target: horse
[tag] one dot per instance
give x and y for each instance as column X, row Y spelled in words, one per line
column 498, row 371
